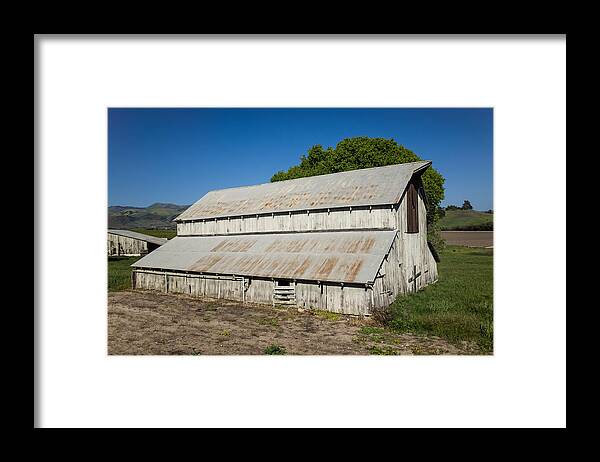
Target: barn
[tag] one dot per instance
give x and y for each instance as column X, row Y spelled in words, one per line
column 122, row 242
column 347, row 242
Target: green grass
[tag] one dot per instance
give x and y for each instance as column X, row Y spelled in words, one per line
column 119, row 273
column 274, row 350
column 376, row 334
column 385, row 351
column 463, row 218
column 268, row 321
column 459, row 306
column 168, row 233
column 329, row 315
column 369, row 330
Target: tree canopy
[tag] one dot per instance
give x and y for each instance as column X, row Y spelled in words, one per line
column 364, row 152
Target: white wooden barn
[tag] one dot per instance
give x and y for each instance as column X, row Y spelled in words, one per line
column 345, row 242
column 122, row 242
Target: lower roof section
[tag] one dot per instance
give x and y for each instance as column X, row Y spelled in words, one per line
column 139, row 236
column 336, row 256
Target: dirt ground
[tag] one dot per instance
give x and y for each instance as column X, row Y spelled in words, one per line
column 469, row 238
column 152, row 323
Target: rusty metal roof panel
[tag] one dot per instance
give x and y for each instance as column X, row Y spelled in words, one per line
column 369, row 186
column 139, row 236
column 336, row 256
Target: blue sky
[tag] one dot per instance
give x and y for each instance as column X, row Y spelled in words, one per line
column 177, row 155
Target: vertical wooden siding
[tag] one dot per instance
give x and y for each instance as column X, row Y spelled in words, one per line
column 413, row 251
column 121, row 245
column 331, row 297
column 321, row 220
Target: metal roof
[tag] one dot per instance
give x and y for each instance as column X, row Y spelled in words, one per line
column 339, row 256
column 369, row 186
column 139, row 236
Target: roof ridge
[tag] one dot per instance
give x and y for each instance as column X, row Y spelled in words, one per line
column 315, row 176
column 359, row 187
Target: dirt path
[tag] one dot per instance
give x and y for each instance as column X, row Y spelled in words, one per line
column 469, row 238
column 151, row 323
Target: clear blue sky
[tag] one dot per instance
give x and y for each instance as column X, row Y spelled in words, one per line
column 177, row 155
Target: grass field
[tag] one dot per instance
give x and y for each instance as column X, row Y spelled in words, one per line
column 168, row 233
column 155, row 323
column 459, row 306
column 456, row 219
column 119, row 273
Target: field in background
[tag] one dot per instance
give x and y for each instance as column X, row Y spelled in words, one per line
column 469, row 238
column 168, row 233
column 459, row 307
column 466, row 219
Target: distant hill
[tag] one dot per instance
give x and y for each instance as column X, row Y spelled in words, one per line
column 467, row 220
column 155, row 216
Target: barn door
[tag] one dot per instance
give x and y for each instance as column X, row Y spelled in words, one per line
column 412, row 209
column 284, row 292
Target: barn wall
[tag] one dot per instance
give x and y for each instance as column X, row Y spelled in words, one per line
column 127, row 246
column 322, row 220
column 259, row 291
column 227, row 287
column 412, row 248
column 330, row 297
column 333, row 297
column 311, row 296
column 390, row 281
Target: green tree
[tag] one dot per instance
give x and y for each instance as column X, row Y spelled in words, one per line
column 467, row 206
column 365, row 152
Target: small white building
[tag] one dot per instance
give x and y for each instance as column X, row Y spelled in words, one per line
column 346, row 242
column 122, row 242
